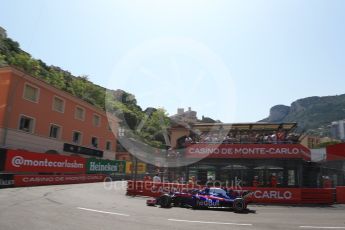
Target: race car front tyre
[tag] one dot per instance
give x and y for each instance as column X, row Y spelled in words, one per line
column 165, row 201
column 239, row 205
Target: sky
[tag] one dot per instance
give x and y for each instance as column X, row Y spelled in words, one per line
column 229, row 60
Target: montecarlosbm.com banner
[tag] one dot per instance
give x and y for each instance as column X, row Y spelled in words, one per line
column 35, row 180
column 249, row 151
column 22, row 161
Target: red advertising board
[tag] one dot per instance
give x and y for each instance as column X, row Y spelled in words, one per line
column 22, row 161
column 248, row 151
column 34, row 180
column 336, row 152
column 275, row 195
column 340, row 194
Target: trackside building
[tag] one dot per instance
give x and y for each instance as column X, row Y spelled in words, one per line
column 247, row 155
column 37, row 117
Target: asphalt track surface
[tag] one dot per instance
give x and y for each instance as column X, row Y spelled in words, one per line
column 92, row 206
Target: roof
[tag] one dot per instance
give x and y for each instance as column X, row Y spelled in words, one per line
column 256, row 126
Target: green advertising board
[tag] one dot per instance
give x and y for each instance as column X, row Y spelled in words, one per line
column 105, row 166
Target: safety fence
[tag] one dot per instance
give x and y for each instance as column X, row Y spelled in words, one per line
column 259, row 195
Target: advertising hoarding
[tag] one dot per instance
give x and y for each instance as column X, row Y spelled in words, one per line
column 82, row 150
column 22, row 161
column 141, row 168
column 35, row 180
column 105, row 166
column 248, row 151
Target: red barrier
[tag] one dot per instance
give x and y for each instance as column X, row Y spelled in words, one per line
column 341, row 195
column 20, row 161
column 317, row 195
column 35, row 180
column 275, row 195
column 260, row 195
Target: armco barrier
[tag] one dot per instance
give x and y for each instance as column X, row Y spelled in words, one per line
column 260, row 195
column 341, row 195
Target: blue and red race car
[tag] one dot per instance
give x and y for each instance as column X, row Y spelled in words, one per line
column 206, row 198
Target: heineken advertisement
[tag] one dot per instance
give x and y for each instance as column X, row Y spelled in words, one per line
column 105, row 166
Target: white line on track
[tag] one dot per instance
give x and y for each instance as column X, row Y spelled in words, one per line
column 104, row 212
column 320, row 227
column 209, row 222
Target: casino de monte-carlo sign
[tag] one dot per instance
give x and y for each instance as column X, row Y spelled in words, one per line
column 248, row 151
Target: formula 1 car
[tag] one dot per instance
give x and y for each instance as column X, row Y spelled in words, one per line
column 206, row 198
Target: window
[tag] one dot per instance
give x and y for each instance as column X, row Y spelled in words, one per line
column 80, row 113
column 94, row 142
column 54, row 131
column 76, row 137
column 31, row 93
column 26, row 124
column 96, row 120
column 108, row 145
column 58, row 104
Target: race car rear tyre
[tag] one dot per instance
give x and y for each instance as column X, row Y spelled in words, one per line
column 239, row 205
column 177, row 202
column 245, row 193
column 165, row 201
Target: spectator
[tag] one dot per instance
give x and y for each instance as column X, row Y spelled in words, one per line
column 327, row 183
column 274, row 181
column 192, row 180
column 181, row 179
column 188, row 140
column 157, row 179
column 273, row 139
column 147, row 177
column 280, row 136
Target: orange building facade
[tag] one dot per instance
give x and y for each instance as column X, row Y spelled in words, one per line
column 38, row 117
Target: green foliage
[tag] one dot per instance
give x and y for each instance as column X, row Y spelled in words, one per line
column 119, row 102
column 2, row 60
